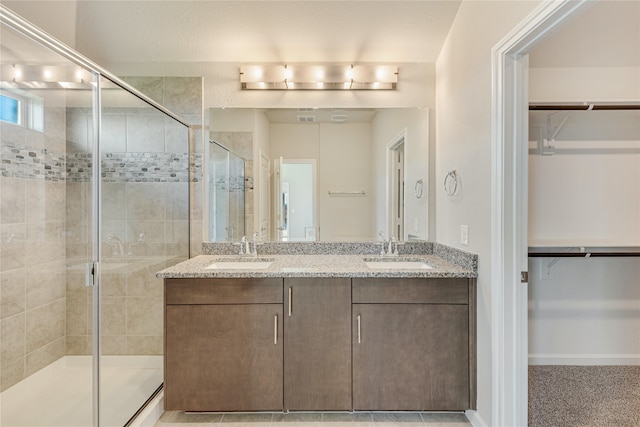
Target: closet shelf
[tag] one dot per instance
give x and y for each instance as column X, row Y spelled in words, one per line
column 583, row 251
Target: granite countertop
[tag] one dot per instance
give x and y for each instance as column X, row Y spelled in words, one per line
column 317, row 265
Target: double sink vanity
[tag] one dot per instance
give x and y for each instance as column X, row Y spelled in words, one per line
column 321, row 327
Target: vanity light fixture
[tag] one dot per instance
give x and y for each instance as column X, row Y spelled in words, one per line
column 29, row 76
column 318, row 77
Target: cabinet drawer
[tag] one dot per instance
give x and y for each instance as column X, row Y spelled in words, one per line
column 224, row 291
column 410, row 290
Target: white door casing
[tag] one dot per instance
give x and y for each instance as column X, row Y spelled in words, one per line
column 509, row 195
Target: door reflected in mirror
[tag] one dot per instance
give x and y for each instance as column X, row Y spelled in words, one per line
column 324, row 174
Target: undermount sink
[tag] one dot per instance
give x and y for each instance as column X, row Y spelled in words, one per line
column 396, row 264
column 240, row 264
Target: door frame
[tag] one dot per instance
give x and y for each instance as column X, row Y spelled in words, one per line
column 280, row 162
column 392, row 146
column 509, row 194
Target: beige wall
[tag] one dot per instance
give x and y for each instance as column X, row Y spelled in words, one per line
column 343, row 154
column 414, row 124
column 463, row 143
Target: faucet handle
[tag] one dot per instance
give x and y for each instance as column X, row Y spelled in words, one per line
column 254, row 249
column 243, row 243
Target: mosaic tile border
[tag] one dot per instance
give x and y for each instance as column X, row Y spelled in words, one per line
column 42, row 164
column 29, row 163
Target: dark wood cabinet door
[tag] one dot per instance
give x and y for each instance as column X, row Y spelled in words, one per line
column 317, row 344
column 223, row 357
column 410, row 357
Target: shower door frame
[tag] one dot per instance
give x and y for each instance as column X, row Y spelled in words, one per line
column 25, row 28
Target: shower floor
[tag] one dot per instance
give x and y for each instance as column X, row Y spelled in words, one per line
column 60, row 394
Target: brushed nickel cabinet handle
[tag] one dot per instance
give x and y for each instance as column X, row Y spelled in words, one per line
column 358, row 329
column 275, row 329
column 290, row 303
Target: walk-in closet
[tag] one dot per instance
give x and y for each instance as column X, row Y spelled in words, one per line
column 584, row 222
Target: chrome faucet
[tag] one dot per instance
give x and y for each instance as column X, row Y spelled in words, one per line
column 392, row 248
column 244, row 246
column 118, row 246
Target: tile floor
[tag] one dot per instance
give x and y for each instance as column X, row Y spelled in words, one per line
column 329, row 419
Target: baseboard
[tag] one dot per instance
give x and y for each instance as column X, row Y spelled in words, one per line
column 584, row 359
column 475, row 419
column 151, row 414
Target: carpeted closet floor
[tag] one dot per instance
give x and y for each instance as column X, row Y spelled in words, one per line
column 584, row 396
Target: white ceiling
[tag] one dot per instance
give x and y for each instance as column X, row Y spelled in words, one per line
column 263, row 31
column 237, row 31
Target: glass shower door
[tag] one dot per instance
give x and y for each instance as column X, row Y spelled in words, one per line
column 144, row 228
column 46, row 192
column 226, row 177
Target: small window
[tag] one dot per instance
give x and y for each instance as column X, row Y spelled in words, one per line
column 9, row 109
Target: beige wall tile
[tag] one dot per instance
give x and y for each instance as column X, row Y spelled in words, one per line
column 12, row 292
column 195, row 190
column 145, row 133
column 177, row 238
column 153, row 87
column 78, row 131
column 12, row 373
column 12, row 200
column 76, row 281
column 77, row 316
column 45, row 355
column 13, row 246
column 142, row 280
column 114, row 345
column 183, row 95
column 196, row 237
column 177, row 201
column 46, row 201
column 147, row 345
column 78, row 345
column 114, row 311
column 12, row 331
column 144, row 316
column 78, row 202
column 45, row 242
column 45, row 283
column 146, row 201
column 113, row 282
column 176, row 136
column 12, row 133
column 114, row 133
column 45, row 324
column 114, row 201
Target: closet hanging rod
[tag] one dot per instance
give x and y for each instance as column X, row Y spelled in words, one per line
column 583, row 252
column 583, row 107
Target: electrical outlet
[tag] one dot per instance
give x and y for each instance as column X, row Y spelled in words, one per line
column 464, row 234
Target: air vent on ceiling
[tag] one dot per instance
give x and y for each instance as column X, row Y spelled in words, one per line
column 306, row 119
column 339, row 118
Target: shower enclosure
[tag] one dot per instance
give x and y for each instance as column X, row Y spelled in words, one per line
column 226, row 194
column 94, row 194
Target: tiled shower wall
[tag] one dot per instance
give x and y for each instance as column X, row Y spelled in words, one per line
column 184, row 96
column 241, row 144
column 45, row 308
column 145, row 220
column 32, row 250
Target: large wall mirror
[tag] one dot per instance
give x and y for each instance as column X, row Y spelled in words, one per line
column 319, row 174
